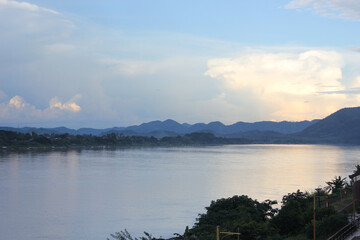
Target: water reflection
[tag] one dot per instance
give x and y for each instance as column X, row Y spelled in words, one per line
column 90, row 193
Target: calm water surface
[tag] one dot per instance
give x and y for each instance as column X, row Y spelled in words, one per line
column 89, row 194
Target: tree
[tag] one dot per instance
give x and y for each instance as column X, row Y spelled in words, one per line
column 231, row 214
column 125, row 235
column 294, row 214
column 336, row 184
column 357, row 168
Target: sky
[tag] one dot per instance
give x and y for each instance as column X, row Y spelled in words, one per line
column 118, row 63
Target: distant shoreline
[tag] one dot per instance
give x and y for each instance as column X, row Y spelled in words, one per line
column 106, row 147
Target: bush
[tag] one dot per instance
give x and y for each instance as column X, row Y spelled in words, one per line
column 327, row 226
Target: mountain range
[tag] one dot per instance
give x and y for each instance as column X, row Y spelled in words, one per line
column 341, row 127
column 172, row 128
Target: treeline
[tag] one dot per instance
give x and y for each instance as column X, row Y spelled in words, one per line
column 18, row 140
column 261, row 220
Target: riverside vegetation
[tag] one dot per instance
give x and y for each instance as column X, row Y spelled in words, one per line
column 260, row 220
column 9, row 139
column 341, row 127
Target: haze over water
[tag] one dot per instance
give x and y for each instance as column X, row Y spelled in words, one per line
column 89, row 194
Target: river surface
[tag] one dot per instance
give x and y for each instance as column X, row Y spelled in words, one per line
column 88, row 194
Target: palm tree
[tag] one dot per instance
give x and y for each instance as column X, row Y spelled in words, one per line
column 336, row 184
column 357, row 168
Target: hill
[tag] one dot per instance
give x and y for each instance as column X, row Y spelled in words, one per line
column 342, row 126
column 172, row 128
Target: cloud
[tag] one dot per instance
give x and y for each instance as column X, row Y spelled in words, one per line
column 17, row 109
column 305, row 73
column 17, row 102
column 32, row 24
column 132, row 78
column 347, row 9
column 282, row 86
column 25, row 6
column 68, row 106
column 132, row 67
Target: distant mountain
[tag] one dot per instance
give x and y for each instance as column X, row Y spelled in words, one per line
column 172, row 128
column 63, row 130
column 342, row 126
column 155, row 126
column 283, row 127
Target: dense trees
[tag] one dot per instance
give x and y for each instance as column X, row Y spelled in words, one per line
column 255, row 220
column 239, row 213
column 260, row 220
column 294, row 214
column 13, row 139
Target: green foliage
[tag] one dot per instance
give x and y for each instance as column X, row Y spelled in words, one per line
column 259, row 220
column 125, row 235
column 357, row 168
column 16, row 140
column 336, row 184
column 231, row 214
column 327, row 226
column 186, row 236
column 294, row 214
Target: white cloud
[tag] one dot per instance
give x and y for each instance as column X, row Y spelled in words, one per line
column 127, row 80
column 25, row 5
column 284, row 86
column 17, row 102
column 347, row 9
column 69, row 106
column 31, row 24
column 17, row 109
column 356, row 83
column 305, row 73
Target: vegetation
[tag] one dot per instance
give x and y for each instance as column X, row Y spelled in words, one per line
column 239, row 213
column 24, row 140
column 125, row 235
column 336, row 184
column 260, row 220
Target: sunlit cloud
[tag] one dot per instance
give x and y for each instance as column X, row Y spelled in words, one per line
column 128, row 78
column 17, row 109
column 17, row 102
column 69, row 106
column 290, row 86
column 305, row 73
column 347, row 9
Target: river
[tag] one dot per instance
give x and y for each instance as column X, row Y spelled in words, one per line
column 88, row 194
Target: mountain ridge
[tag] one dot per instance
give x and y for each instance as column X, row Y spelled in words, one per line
column 170, row 127
column 340, row 127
